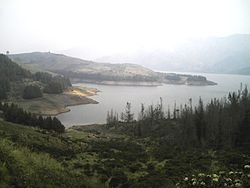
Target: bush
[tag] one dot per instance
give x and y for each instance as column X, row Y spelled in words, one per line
column 53, row 88
column 32, row 91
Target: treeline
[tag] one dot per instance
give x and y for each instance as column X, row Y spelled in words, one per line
column 14, row 114
column 10, row 71
column 108, row 77
column 221, row 123
column 54, row 84
column 32, row 91
column 113, row 117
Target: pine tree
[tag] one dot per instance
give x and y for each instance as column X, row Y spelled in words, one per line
column 129, row 117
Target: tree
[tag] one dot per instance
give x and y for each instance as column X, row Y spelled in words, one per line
column 112, row 118
column 53, row 88
column 4, row 87
column 142, row 113
column 243, row 132
column 200, row 123
column 128, row 116
column 57, row 125
column 43, row 77
column 32, row 91
column 13, row 113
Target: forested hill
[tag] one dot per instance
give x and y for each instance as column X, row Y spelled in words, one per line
column 102, row 73
column 10, row 71
column 19, row 82
column 59, row 63
column 14, row 80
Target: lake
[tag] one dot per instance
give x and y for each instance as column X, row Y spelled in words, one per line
column 116, row 97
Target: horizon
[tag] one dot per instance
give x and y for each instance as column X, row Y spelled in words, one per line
column 96, row 59
column 92, row 29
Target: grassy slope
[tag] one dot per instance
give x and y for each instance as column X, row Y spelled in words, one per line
column 94, row 156
column 102, row 73
column 27, row 158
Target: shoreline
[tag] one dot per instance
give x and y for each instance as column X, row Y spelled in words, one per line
column 55, row 104
column 67, row 109
column 183, row 81
column 117, row 83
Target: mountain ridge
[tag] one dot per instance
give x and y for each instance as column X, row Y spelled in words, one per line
column 211, row 55
column 103, row 73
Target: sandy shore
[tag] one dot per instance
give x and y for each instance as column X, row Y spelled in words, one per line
column 54, row 104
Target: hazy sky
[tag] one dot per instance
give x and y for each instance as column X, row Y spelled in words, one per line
column 113, row 26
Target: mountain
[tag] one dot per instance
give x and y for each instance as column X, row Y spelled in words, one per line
column 213, row 55
column 102, row 73
column 58, row 62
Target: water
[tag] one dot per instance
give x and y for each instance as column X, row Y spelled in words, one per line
column 116, row 97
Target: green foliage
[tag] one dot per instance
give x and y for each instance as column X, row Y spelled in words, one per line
column 57, row 84
column 13, row 113
column 53, row 88
column 128, row 115
column 31, row 92
column 12, row 71
column 9, row 71
column 96, row 158
column 217, row 180
column 112, row 118
column 4, row 87
column 20, row 167
column 43, row 77
column 219, row 124
column 107, row 77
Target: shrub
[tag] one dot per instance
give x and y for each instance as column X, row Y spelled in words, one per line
column 32, row 91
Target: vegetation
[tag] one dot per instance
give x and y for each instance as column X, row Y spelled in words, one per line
column 31, row 92
column 14, row 78
column 222, row 179
column 54, row 85
column 13, row 113
column 26, row 159
column 93, row 72
column 96, row 156
column 53, row 88
column 202, row 146
column 43, row 77
column 220, row 124
column 9, row 72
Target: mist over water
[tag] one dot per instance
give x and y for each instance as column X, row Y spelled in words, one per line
column 116, row 97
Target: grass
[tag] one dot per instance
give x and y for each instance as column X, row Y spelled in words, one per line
column 93, row 156
column 22, row 167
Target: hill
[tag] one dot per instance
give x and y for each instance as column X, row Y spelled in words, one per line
column 212, row 55
column 40, row 93
column 103, row 73
column 62, row 63
column 96, row 156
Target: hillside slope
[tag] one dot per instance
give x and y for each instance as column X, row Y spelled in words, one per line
column 94, row 156
column 59, row 62
column 15, row 84
column 103, row 73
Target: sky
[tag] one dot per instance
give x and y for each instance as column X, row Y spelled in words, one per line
column 104, row 27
